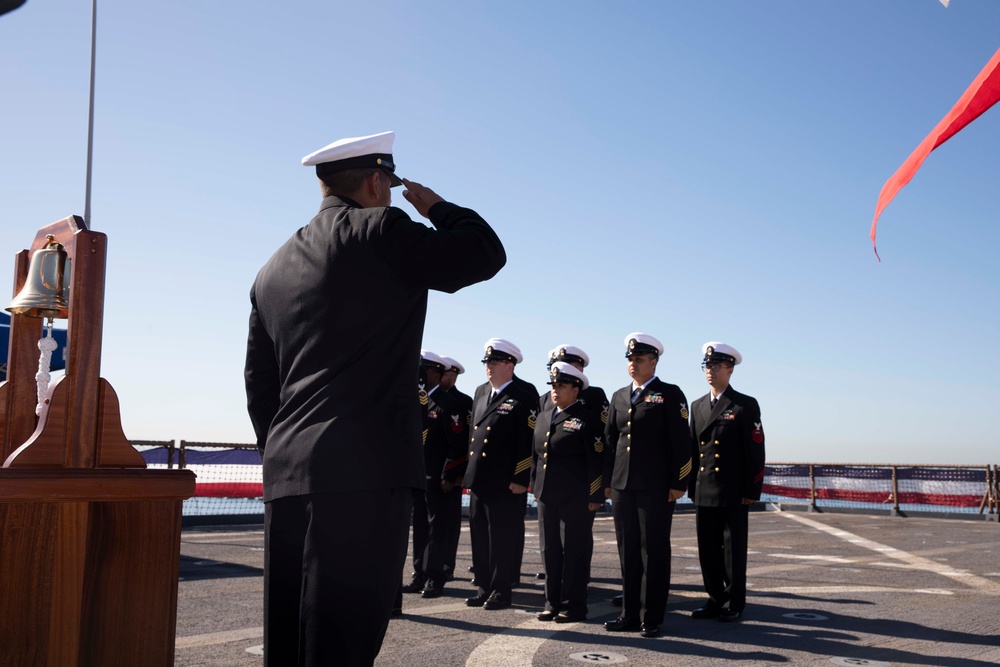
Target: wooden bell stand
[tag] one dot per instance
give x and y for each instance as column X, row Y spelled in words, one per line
column 89, row 538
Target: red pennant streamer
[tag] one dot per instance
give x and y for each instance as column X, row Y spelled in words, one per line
column 980, row 96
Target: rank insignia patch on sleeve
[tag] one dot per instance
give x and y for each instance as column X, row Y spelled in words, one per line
column 684, row 411
column 758, row 433
column 532, row 419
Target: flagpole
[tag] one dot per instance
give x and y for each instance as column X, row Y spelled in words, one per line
column 90, row 119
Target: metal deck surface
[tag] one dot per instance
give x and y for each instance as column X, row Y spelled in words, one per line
column 824, row 589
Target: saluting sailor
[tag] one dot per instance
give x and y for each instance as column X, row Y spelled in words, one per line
column 566, row 478
column 729, row 459
column 647, row 464
column 503, row 419
column 330, row 391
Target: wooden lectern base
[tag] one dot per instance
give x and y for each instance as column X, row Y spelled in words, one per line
column 89, row 564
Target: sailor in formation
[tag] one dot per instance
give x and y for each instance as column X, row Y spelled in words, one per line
column 567, row 481
column 503, row 420
column 647, row 463
column 728, row 452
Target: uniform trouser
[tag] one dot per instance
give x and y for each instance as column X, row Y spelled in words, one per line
column 451, row 553
column 330, row 575
column 444, row 515
column 566, row 536
column 494, row 525
column 420, row 530
column 642, row 526
column 520, row 537
column 722, row 552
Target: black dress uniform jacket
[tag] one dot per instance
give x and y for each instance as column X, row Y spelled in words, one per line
column 593, row 398
column 445, row 454
column 508, row 423
column 568, row 456
column 335, row 329
column 728, row 450
column 649, row 442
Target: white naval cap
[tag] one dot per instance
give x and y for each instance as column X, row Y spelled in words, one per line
column 373, row 152
column 503, row 350
column 569, row 353
column 428, row 358
column 640, row 343
column 716, row 351
column 454, row 365
column 568, row 373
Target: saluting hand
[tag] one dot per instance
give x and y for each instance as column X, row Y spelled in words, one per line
column 422, row 198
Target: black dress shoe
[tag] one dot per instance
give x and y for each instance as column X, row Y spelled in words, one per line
column 547, row 616
column 649, row 630
column 415, row 586
column 730, row 616
column 617, row 600
column 432, row 590
column 541, row 576
column 477, row 601
column 710, row 610
column 396, row 612
column 566, row 617
column 496, row 601
column 474, row 582
column 622, row 625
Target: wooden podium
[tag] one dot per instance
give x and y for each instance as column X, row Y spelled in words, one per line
column 89, row 538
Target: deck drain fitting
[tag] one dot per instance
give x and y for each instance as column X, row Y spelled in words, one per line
column 806, row 616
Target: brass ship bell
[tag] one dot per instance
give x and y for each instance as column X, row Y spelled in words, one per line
column 44, row 292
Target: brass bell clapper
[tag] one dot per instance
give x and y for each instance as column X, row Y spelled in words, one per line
column 44, row 296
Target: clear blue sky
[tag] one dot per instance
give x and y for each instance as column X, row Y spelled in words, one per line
column 697, row 171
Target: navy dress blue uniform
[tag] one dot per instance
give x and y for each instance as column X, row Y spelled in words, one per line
column 419, row 524
column 499, row 454
column 567, row 475
column 336, row 321
column 648, row 454
column 728, row 451
column 445, row 459
column 462, row 404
